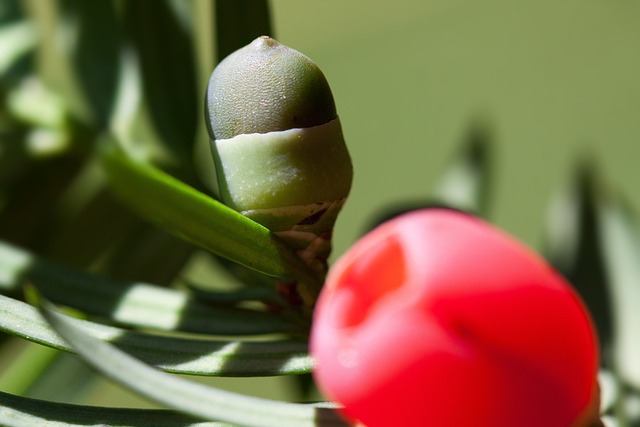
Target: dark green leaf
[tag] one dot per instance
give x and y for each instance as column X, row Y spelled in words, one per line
column 21, row 372
column 17, row 38
column 465, row 184
column 16, row 411
column 26, row 217
column 190, row 356
column 148, row 254
column 137, row 304
column 165, row 48
column 82, row 236
column 58, row 37
column 15, row 161
column 574, row 248
column 67, row 378
column 247, row 293
column 191, row 398
column 96, row 54
column 238, row 22
column 10, row 11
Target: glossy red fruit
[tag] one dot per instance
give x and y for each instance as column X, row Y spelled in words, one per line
column 438, row 319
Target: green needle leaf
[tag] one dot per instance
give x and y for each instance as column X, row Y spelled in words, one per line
column 248, row 293
column 465, row 184
column 200, row 219
column 164, row 45
column 16, row 411
column 23, row 372
column 191, row 398
column 620, row 233
column 574, row 247
column 172, row 354
column 96, row 54
column 238, row 22
column 16, row 39
column 131, row 303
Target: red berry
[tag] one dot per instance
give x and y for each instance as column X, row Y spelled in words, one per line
column 438, row 319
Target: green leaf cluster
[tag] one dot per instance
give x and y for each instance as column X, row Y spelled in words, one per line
column 104, row 220
column 103, row 213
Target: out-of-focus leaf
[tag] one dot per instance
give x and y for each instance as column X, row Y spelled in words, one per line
column 22, row 371
column 58, row 36
column 37, row 105
column 238, row 22
column 66, row 378
column 609, row 390
column 16, row 411
column 573, row 246
column 620, row 236
column 15, row 162
column 96, row 53
column 200, row 219
column 465, row 184
column 26, row 216
column 148, row 254
column 130, row 303
column 244, row 274
column 16, row 40
column 165, row 48
column 181, row 355
column 191, row 398
column 238, row 279
column 205, row 45
column 248, row 293
column 10, row 11
column 81, row 235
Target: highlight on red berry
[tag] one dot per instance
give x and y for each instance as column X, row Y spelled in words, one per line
column 438, row 319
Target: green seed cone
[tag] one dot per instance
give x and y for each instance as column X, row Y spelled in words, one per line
column 266, row 87
column 278, row 146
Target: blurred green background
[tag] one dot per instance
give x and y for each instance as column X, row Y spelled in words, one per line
column 556, row 82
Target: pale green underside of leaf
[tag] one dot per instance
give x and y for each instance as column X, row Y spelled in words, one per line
column 136, row 304
column 177, row 393
column 172, row 354
column 198, row 218
column 621, row 240
column 16, row 40
column 18, row 411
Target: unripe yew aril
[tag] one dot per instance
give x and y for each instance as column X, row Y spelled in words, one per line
column 438, row 319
